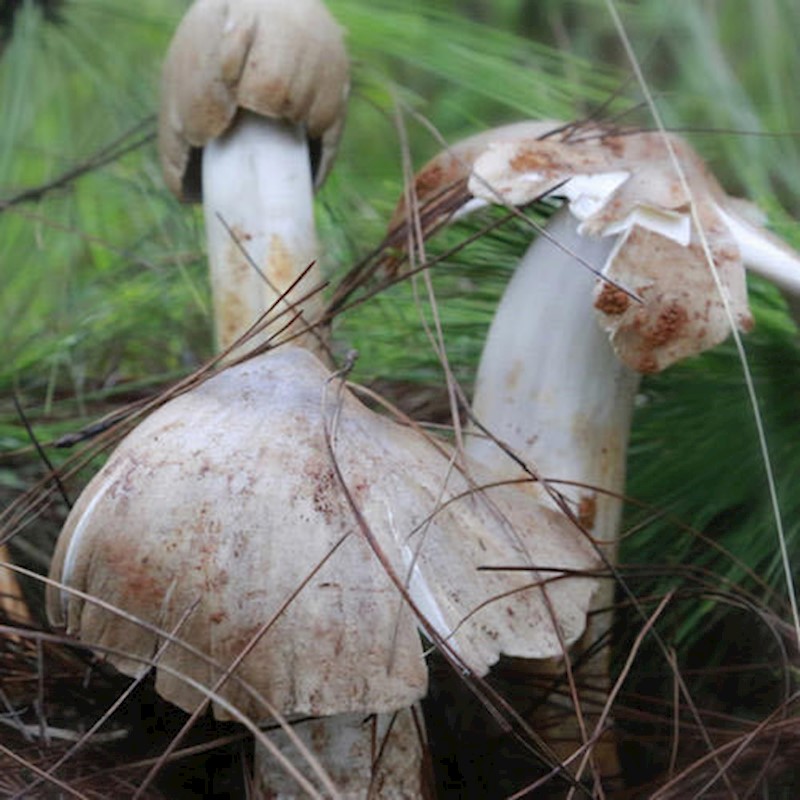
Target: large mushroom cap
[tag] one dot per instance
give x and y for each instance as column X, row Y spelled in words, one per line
column 280, row 59
column 227, row 497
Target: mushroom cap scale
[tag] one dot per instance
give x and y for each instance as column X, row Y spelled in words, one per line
column 227, row 496
column 277, row 59
column 680, row 313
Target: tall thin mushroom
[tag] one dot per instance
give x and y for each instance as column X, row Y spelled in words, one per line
column 562, row 360
column 252, row 107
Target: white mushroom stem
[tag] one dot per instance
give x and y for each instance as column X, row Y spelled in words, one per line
column 552, row 390
column 258, row 203
column 365, row 755
column 549, row 385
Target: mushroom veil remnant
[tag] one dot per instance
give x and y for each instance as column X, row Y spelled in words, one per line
column 562, row 359
column 252, row 107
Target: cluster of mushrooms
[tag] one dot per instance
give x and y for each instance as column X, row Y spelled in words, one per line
column 268, row 543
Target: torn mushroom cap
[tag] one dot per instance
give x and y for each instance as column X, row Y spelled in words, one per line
column 446, row 173
column 227, row 496
column 278, row 59
column 626, row 184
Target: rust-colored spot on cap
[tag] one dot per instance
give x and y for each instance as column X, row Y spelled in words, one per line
column 432, row 178
column 612, row 300
column 647, row 364
column 535, row 158
column 668, row 325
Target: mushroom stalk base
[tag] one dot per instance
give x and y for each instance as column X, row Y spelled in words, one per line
column 258, row 204
column 550, row 388
column 366, row 756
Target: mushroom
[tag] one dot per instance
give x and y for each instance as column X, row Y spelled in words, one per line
column 252, row 108
column 230, row 496
column 300, row 539
column 617, row 284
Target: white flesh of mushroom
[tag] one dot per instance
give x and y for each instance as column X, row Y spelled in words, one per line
column 351, row 756
column 258, row 205
column 549, row 385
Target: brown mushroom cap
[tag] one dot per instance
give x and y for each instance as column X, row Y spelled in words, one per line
column 280, row 59
column 227, row 497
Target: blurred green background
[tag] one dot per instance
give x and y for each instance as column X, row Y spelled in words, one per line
column 103, row 288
